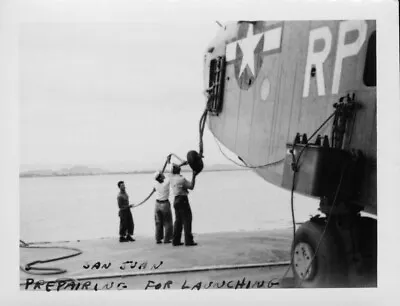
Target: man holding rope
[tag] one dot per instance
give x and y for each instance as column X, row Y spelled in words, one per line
column 163, row 215
column 162, row 212
column 183, row 214
column 126, row 225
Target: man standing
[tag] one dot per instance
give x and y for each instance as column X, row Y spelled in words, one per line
column 126, row 225
column 183, row 214
column 162, row 213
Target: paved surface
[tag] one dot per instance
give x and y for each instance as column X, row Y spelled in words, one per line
column 145, row 265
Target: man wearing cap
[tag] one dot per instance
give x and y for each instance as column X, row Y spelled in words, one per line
column 126, row 225
column 162, row 213
column 180, row 187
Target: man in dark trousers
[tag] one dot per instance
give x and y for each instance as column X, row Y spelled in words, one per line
column 126, row 225
column 180, row 187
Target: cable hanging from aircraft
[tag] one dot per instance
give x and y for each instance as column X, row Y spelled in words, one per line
column 245, row 165
column 295, row 167
column 326, row 225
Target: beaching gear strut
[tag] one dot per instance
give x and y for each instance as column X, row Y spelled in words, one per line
column 295, row 167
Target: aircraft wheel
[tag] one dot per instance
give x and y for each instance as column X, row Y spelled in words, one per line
column 325, row 269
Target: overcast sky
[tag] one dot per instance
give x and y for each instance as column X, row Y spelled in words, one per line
column 112, row 93
column 104, row 82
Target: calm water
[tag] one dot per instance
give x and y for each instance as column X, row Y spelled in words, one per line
column 83, row 207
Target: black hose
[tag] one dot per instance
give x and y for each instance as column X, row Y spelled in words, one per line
column 247, row 166
column 29, row 267
column 295, row 167
column 327, row 223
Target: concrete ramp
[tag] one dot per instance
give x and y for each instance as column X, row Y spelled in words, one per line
column 234, row 260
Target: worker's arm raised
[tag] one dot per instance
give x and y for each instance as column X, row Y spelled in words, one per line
column 191, row 184
column 183, row 164
column 166, row 163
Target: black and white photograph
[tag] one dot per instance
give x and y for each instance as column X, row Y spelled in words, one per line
column 162, row 147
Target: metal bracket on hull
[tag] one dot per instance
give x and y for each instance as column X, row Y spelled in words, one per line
column 345, row 109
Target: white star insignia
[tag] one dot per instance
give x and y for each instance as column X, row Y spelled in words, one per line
column 248, row 46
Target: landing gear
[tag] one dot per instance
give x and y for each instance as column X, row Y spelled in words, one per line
column 317, row 262
column 340, row 254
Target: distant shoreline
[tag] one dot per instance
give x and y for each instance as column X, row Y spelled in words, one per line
column 118, row 172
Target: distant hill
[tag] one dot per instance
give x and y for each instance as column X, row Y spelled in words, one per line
column 221, row 167
column 85, row 170
column 75, row 170
column 81, row 170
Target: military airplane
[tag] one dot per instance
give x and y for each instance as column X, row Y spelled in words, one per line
column 296, row 102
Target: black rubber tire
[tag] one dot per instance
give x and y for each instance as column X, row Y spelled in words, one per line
column 329, row 268
column 195, row 161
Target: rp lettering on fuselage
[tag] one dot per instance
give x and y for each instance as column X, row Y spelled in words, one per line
column 247, row 53
column 316, row 59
